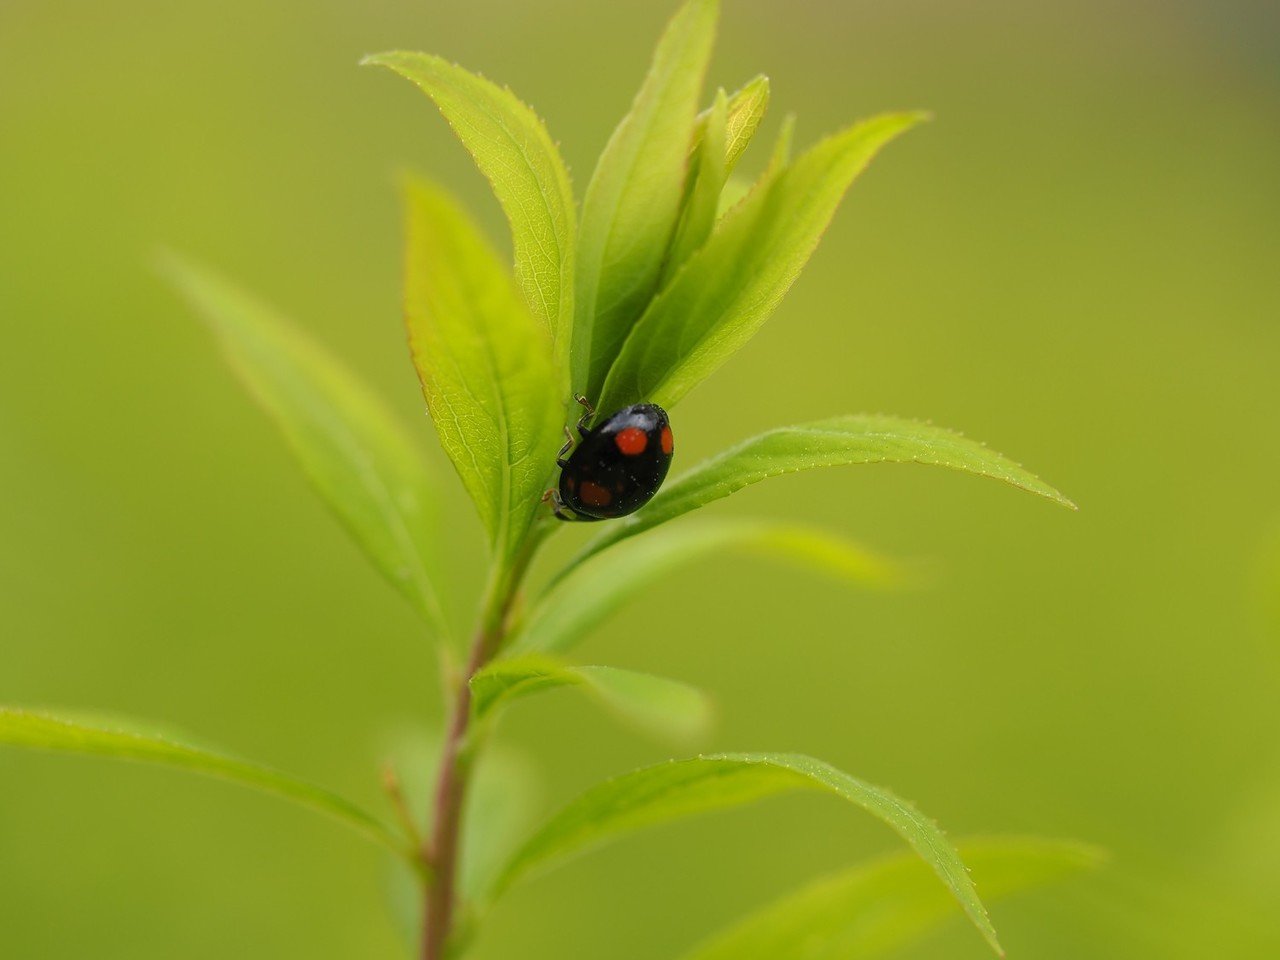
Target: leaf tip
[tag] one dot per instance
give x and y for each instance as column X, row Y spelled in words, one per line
column 183, row 275
column 905, row 120
column 391, row 58
column 1052, row 493
column 705, row 11
column 167, row 265
column 406, row 63
column 382, row 59
column 977, row 912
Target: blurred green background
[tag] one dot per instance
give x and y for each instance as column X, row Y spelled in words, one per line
column 1076, row 262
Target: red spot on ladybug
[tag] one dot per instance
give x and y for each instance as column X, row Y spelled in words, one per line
column 668, row 442
column 594, row 495
column 631, row 441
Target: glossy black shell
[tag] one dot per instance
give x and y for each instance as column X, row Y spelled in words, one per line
column 600, row 481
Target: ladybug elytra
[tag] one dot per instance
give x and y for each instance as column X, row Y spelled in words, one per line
column 616, row 467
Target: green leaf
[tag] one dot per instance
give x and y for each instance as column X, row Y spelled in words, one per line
column 666, row 707
column 883, row 905
column 735, row 191
column 512, row 148
column 746, row 110
column 633, row 199
column 730, row 286
column 781, row 156
column 589, row 594
column 823, row 443
column 125, row 741
column 680, row 788
column 502, row 802
column 364, row 466
column 737, row 188
column 698, row 214
column 484, row 362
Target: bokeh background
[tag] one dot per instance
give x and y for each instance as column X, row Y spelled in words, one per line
column 1076, row 262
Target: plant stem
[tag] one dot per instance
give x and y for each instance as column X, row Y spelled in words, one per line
column 441, row 851
column 441, row 848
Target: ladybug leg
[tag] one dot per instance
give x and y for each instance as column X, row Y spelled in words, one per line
column 552, row 496
column 561, row 462
column 585, row 419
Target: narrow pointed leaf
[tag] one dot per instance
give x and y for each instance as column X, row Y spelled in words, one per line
column 663, row 706
column 698, row 214
column 485, row 364
column 878, row 907
column 733, row 283
column 585, row 598
column 352, row 450
column 512, row 148
column 633, row 200
column 822, row 443
column 681, row 788
column 38, row 730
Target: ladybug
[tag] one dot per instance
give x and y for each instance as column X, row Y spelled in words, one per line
column 617, row 467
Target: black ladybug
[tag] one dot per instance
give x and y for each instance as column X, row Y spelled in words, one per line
column 616, row 467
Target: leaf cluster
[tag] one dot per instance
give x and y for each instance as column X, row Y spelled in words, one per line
column 638, row 294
